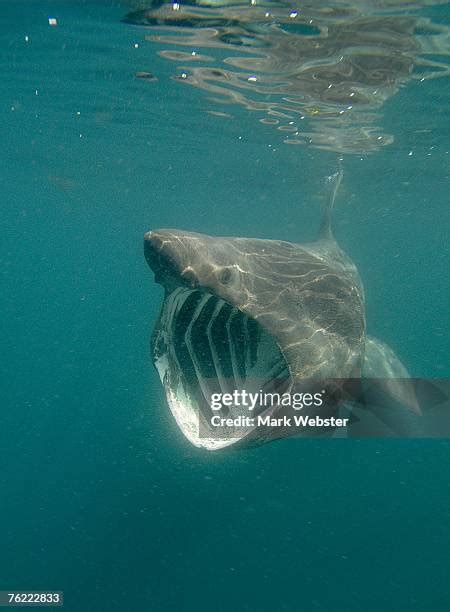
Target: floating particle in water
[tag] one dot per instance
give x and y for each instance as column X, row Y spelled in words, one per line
column 147, row 76
column 52, row 21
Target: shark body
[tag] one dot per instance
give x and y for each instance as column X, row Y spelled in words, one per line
column 260, row 314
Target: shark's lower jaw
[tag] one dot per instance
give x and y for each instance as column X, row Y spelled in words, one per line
column 203, row 346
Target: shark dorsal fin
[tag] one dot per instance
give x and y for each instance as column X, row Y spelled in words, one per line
column 334, row 181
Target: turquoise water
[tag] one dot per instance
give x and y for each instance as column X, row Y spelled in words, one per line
column 101, row 496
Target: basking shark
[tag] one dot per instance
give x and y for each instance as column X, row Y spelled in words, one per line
column 261, row 314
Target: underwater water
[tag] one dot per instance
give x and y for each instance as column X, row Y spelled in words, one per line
column 100, row 494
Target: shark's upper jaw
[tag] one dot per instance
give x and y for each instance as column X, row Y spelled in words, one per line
column 161, row 253
column 203, row 345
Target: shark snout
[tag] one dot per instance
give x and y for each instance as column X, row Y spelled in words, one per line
column 169, row 254
column 162, row 244
column 154, row 241
column 160, row 254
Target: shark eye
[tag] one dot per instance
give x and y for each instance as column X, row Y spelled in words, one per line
column 225, row 276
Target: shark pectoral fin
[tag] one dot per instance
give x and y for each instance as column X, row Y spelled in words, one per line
column 392, row 378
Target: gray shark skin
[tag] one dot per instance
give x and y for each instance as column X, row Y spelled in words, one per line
column 247, row 312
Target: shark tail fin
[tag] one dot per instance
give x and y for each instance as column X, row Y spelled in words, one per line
column 334, row 181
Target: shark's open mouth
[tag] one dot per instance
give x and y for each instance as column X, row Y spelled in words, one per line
column 202, row 346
